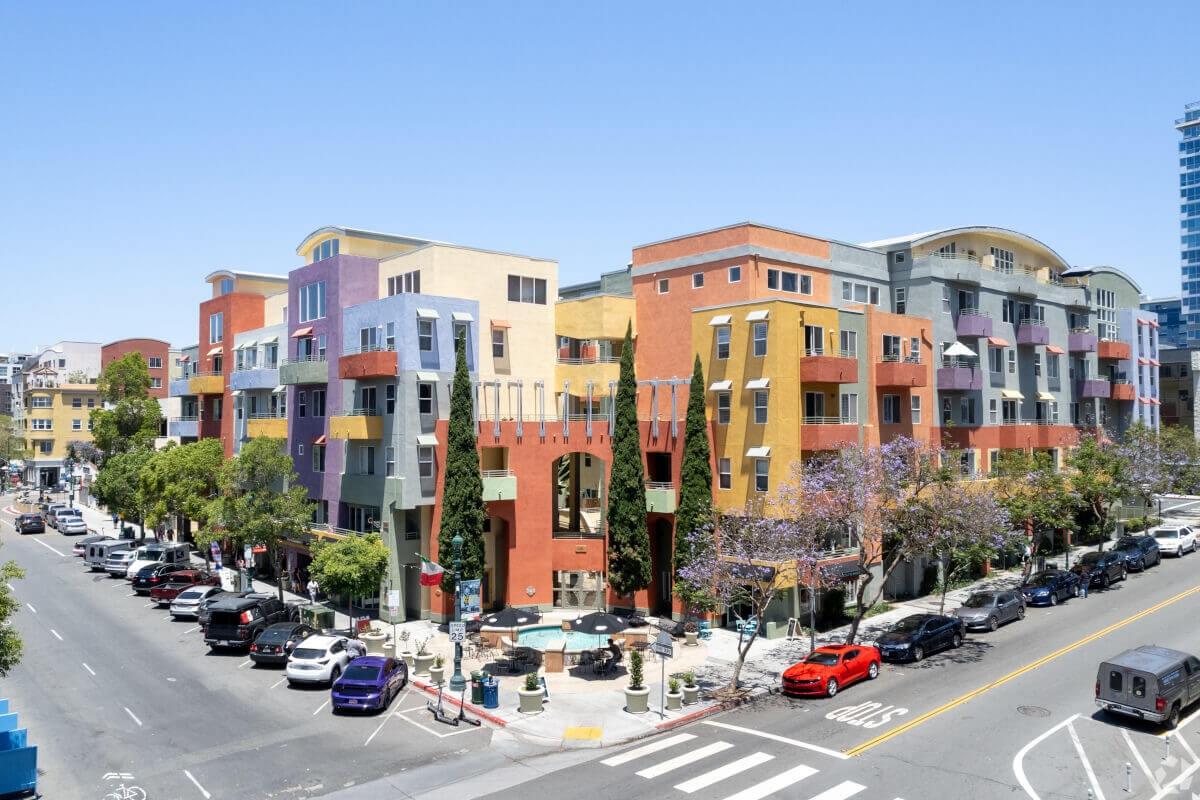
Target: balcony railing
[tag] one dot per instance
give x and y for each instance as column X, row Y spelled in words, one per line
column 266, row 415
column 896, row 358
column 973, row 312
column 496, row 473
column 217, row 373
column 264, row 365
column 301, row 360
column 663, row 485
column 818, row 352
column 183, row 419
column 370, row 348
column 597, row 359
column 829, row 421
column 1084, row 329
column 959, row 362
column 360, row 412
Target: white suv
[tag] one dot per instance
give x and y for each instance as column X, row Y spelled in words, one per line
column 318, row 659
column 1174, row 540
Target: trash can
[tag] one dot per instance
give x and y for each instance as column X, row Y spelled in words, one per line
column 476, row 688
column 491, row 693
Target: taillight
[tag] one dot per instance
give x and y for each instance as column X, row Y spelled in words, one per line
column 1160, row 704
column 1097, row 688
column 253, row 648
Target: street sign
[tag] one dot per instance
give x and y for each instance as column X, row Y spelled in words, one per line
column 458, row 631
column 248, row 554
column 663, row 645
column 393, row 601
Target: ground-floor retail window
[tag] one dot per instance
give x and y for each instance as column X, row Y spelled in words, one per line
column 578, row 589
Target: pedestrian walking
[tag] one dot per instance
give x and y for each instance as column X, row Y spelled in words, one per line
column 1081, row 589
column 313, row 587
column 114, row 520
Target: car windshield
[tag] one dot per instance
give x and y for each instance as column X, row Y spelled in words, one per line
column 1090, row 559
column 1126, row 546
column 824, row 659
column 148, row 554
column 361, row 673
column 307, row 652
column 980, row 600
column 1040, row 580
column 909, row 624
column 191, row 595
column 1172, row 534
column 275, row 634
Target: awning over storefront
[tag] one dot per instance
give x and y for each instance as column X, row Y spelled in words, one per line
column 215, row 351
column 844, row 570
column 302, row 332
column 1053, row 348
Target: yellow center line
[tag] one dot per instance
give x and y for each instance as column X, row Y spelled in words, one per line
column 958, row 701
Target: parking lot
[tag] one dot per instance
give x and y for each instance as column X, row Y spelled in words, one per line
column 110, row 684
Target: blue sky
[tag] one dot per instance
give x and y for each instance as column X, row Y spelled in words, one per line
column 144, row 145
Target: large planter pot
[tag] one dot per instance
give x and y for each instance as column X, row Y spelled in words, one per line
column 637, row 701
column 423, row 662
column 690, row 638
column 374, row 640
column 437, row 675
column 674, row 701
column 408, row 657
column 530, row 701
column 691, row 695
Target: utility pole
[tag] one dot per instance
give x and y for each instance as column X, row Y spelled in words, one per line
column 458, row 683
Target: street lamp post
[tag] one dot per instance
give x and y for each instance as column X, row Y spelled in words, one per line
column 458, row 683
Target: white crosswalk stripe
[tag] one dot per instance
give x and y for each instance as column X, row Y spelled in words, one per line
column 653, row 747
column 773, row 784
column 721, row 773
column 842, row 791
column 682, row 761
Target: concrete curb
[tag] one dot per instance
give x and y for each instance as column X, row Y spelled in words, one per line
column 476, row 710
column 715, row 708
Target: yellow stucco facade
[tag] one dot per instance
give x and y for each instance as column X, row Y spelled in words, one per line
column 589, row 320
column 57, row 416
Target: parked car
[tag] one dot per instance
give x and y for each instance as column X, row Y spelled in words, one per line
column 98, row 552
column 158, row 552
column 1049, row 586
column 275, row 643
column 828, row 669
column 80, row 546
column 174, row 583
column 915, row 636
column 30, row 523
column 1149, row 682
column 991, row 609
column 1101, row 569
column 71, row 524
column 1174, row 540
column 155, row 574
column 318, row 659
column 55, row 516
column 238, row 620
column 1140, row 552
column 205, row 607
column 47, row 508
column 186, row 604
column 117, row 564
column 369, row 682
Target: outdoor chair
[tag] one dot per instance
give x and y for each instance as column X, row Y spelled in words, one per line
column 704, row 629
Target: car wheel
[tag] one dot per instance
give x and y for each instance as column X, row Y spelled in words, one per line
column 1124, row 573
column 1054, row 598
column 335, row 673
column 1104, row 582
column 918, row 653
column 1021, row 612
column 993, row 623
column 956, row 642
column 831, row 687
column 873, row 671
column 1173, row 718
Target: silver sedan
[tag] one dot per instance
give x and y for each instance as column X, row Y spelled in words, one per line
column 991, row 609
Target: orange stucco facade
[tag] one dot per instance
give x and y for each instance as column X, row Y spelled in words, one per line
column 241, row 312
column 149, row 349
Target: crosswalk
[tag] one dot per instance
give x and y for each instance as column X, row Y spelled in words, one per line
column 682, row 750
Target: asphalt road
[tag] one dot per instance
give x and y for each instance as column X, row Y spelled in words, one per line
column 108, row 685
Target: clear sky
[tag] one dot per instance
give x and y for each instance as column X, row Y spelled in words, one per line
column 143, row 145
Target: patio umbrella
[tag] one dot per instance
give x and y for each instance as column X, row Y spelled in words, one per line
column 511, row 618
column 599, row 623
column 959, row 349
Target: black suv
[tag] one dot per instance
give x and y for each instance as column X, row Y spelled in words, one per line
column 274, row 645
column 1139, row 552
column 1101, row 569
column 155, row 574
column 915, row 636
column 30, row 523
column 238, row 620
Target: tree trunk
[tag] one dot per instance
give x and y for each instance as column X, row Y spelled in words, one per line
column 945, row 564
column 861, row 608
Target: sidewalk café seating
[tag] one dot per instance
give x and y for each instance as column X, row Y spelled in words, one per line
column 750, row 626
column 704, row 629
column 508, row 653
column 645, row 649
column 612, row 661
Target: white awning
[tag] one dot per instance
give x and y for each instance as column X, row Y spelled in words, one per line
column 1011, row 394
column 759, row 383
column 721, row 386
column 758, row 452
column 721, row 319
column 270, row 339
column 245, row 345
column 427, row 313
column 427, row 440
column 959, row 349
column 236, row 392
column 216, row 350
column 1045, row 396
column 427, row 377
column 757, row 316
column 279, row 390
column 462, row 316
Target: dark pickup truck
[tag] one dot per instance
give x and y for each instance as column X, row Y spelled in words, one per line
column 236, row 621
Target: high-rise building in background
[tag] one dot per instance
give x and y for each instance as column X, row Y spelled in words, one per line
column 1173, row 332
column 1189, row 213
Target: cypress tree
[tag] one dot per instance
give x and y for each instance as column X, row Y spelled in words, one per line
column 695, row 510
column 462, row 488
column 628, row 540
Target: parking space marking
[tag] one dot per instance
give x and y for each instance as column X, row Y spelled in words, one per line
column 51, row 549
column 1180, row 778
column 1018, row 763
column 56, row 636
column 384, row 722
column 318, row 711
column 148, row 605
column 31, row 608
column 192, row 630
column 1087, row 765
column 1137, row 756
column 1183, row 723
column 816, row 748
column 133, row 716
column 89, row 669
column 276, row 683
column 404, row 716
column 245, row 663
column 168, row 618
column 195, row 782
column 1184, row 744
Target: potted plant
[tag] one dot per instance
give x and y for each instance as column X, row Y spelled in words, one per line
column 423, row 658
column 437, row 673
column 530, row 695
column 405, row 652
column 674, row 696
column 637, row 696
column 690, row 633
column 691, row 692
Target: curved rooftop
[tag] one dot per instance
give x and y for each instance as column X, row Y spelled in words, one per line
column 239, row 273
column 358, row 233
column 918, row 239
column 1082, row 271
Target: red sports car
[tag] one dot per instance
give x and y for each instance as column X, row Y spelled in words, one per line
column 827, row 669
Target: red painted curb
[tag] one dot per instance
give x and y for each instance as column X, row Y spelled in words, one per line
column 724, row 705
column 476, row 710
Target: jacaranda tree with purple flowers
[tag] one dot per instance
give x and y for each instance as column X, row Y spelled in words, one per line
column 1146, row 471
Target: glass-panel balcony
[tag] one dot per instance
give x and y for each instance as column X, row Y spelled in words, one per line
column 308, row 370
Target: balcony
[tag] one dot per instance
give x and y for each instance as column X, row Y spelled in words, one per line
column 973, row 322
column 206, row 383
column 268, row 425
column 600, row 369
column 1111, row 348
column 959, row 375
column 179, row 387
column 1123, row 390
column 184, row 427
column 361, row 423
column 905, row 372
column 368, row 362
column 499, row 484
column 817, row 367
column 827, row 433
column 265, row 377
column 660, row 497
column 313, row 369
column 1081, row 340
column 1094, row 387
column 1033, row 331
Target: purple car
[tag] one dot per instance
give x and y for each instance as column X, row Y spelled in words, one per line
column 368, row 682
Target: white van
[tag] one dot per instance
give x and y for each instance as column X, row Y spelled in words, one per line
column 158, row 553
column 98, row 552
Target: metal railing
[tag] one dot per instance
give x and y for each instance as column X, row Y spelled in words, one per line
column 246, row 367
column 302, row 359
column 896, row 358
column 973, row 312
column 183, row 419
column 829, row 421
column 266, row 415
column 1032, row 321
column 666, row 485
column 1084, row 329
column 212, row 374
column 360, row 412
column 370, row 348
column 820, row 351
column 597, row 359
column 960, row 362
column 496, row 473
column 954, row 257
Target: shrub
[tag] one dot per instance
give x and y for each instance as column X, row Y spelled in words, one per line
column 531, row 682
column 439, row 662
column 689, row 679
column 1134, row 524
column 673, row 686
column 636, row 677
column 878, row 608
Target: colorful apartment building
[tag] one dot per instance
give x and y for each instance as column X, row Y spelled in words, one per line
column 59, row 395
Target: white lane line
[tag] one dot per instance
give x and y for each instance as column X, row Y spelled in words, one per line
column 816, row 748
column 1087, row 765
column 645, row 750
column 56, row 636
column 89, row 669
column 721, row 773
column 775, row 783
column 1183, row 743
column 133, row 716
column 842, row 791
column 149, row 605
column 245, row 663
column 1141, row 761
column 51, row 549
column 319, row 708
column 663, row 767
column 192, row 630
column 168, row 618
column 1017, row 762
column 385, row 722
column 1180, row 778
column 31, row 608
column 276, row 683
column 11, row 588
column 196, row 783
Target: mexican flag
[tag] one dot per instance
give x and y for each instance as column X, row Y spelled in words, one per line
column 431, row 572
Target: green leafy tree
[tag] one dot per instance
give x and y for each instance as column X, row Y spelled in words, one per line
column 256, row 503
column 10, row 640
column 182, row 480
column 628, row 539
column 1099, row 481
column 12, row 444
column 118, row 485
column 463, row 511
column 353, row 566
column 1036, row 496
column 1181, row 454
column 695, row 512
column 132, row 418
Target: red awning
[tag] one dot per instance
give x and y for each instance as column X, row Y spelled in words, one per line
column 185, row 358
column 1153, row 324
column 996, row 341
column 1154, row 362
column 320, row 439
column 501, row 323
column 1143, row 361
column 1143, row 321
column 1144, row 401
column 1156, row 401
column 302, row 332
column 1054, row 349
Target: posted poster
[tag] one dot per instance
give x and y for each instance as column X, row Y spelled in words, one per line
column 469, row 592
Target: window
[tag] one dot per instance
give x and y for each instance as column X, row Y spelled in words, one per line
column 1008, row 310
column 318, row 458
column 814, row 340
column 762, row 469
column 408, row 283
column 735, row 274
column 390, row 462
column 76, row 424
column 1115, row 681
column 154, row 362
column 697, row 280
column 425, row 462
column 523, row 289
column 860, row 293
column 759, row 330
column 366, row 399
column 62, row 363
column 271, row 356
column 848, row 340
column 723, row 406
column 947, row 410
column 389, row 398
column 664, row 285
column 216, row 327
column 156, row 383
column 915, row 405
column 91, row 402
column 41, row 401
column 1009, row 411
column 1012, row 362
column 1052, row 366
column 967, row 411
column 1138, row 684
column 891, row 347
column 1037, row 365
column 312, row 301
column 996, row 359
column 723, row 333
column 76, row 402
column 992, row 414
column 326, row 249
column 318, row 402
column 901, row 300
column 425, row 398
column 425, row 335
column 891, row 409
column 225, row 286
column 945, row 299
column 218, row 364
column 216, row 408
column 724, row 473
column 366, row 460
column 302, row 404
column 814, row 405
column 787, row 281
column 368, row 339
column 760, row 406
column 850, row 408
column 498, row 343
column 1003, row 259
